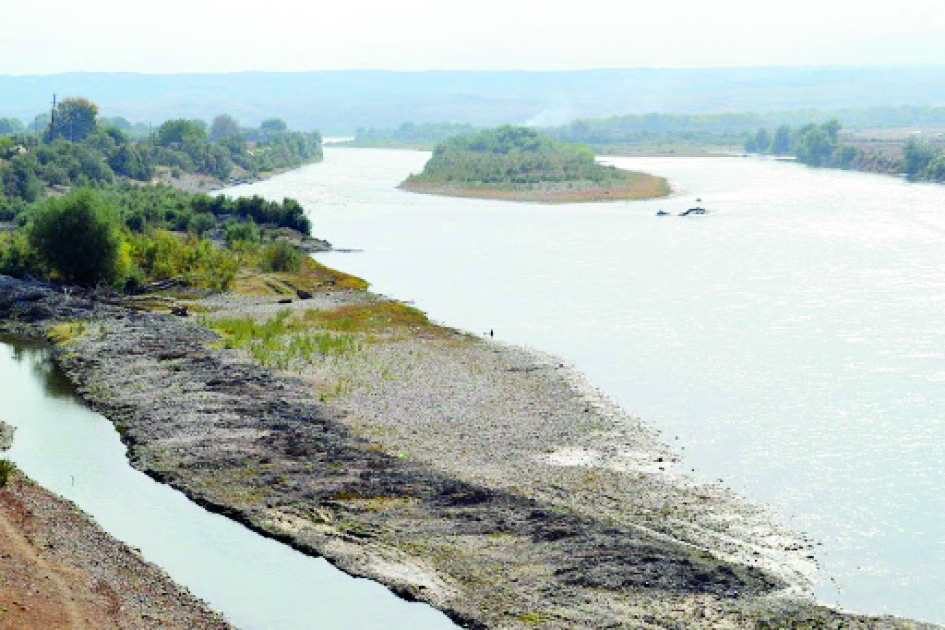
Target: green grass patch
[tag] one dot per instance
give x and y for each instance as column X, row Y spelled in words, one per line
column 67, row 332
column 371, row 318
column 281, row 341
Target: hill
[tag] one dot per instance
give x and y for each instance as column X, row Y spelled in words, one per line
column 341, row 101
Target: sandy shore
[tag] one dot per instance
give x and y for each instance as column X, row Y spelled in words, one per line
column 492, row 482
column 637, row 186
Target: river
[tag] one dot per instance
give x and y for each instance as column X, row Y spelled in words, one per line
column 791, row 342
column 257, row 583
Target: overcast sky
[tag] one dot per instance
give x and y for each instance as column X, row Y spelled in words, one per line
column 49, row 36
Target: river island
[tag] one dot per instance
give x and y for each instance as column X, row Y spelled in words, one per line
column 520, row 164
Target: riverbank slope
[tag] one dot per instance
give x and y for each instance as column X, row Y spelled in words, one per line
column 60, row 570
column 491, row 482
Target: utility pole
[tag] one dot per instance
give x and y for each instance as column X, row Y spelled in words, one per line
column 52, row 118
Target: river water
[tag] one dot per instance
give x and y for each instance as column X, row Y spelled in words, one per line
column 791, row 342
column 258, row 583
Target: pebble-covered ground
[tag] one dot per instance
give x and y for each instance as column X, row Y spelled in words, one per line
column 489, row 481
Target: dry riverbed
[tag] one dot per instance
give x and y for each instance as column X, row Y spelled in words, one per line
column 492, row 482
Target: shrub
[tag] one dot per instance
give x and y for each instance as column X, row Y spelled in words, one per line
column 6, row 467
column 77, row 236
column 282, row 256
column 17, row 258
column 242, row 232
column 200, row 224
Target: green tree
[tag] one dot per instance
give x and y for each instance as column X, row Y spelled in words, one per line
column 781, row 145
column 78, row 237
column 762, row 140
column 273, row 126
column 19, row 179
column 816, row 143
column 178, row 132
column 916, row 156
column 74, row 120
column 832, row 127
column 224, row 126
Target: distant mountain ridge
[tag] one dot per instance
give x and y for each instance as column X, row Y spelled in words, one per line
column 339, row 102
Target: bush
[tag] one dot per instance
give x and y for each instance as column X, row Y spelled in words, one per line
column 241, row 232
column 200, row 224
column 6, row 467
column 77, row 236
column 17, row 258
column 282, row 256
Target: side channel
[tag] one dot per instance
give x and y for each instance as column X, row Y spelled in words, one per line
column 257, row 583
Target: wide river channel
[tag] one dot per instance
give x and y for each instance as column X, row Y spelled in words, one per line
column 791, row 342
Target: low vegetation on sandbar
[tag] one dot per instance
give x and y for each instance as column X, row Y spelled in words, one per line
column 520, row 164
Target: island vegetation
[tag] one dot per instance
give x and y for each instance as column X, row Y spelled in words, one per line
column 518, row 163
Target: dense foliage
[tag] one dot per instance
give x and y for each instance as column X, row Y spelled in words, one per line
column 922, row 161
column 73, row 147
column 100, row 224
column 511, row 155
column 77, row 237
column 819, row 145
column 411, row 134
column 124, row 236
column 732, row 128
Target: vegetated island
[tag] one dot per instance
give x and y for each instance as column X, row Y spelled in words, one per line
column 520, row 164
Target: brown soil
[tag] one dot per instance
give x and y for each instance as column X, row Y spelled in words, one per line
column 637, row 186
column 58, row 569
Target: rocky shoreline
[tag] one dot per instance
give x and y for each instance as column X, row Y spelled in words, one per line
column 491, row 482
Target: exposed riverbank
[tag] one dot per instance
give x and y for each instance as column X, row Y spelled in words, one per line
column 491, row 482
column 635, row 186
column 60, row 570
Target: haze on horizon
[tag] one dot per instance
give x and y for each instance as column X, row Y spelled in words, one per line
column 290, row 35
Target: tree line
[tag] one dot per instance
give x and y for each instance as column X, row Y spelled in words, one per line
column 820, row 145
column 77, row 148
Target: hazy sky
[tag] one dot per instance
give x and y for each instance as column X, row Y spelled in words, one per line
column 48, row 36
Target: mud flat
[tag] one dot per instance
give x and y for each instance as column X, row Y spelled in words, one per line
column 491, row 482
